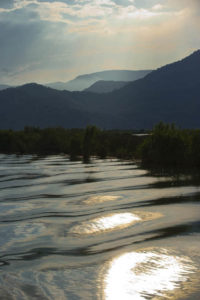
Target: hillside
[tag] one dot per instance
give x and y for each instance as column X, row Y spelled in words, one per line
column 3, row 86
column 82, row 82
column 103, row 86
column 170, row 94
column 36, row 105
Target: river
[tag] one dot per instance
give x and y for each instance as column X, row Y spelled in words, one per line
column 104, row 230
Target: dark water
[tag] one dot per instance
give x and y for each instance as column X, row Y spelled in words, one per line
column 105, row 230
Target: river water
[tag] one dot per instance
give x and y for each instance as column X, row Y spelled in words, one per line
column 104, row 230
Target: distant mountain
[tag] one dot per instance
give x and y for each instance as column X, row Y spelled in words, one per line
column 103, row 86
column 82, row 82
column 3, row 86
column 169, row 94
column 36, row 105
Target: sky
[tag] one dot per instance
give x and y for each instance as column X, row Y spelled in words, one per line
column 55, row 40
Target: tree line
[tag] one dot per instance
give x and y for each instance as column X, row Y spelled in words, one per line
column 170, row 146
column 166, row 145
column 87, row 142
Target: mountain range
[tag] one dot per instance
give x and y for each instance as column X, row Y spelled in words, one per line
column 170, row 94
column 83, row 82
column 103, row 86
column 3, row 86
column 100, row 82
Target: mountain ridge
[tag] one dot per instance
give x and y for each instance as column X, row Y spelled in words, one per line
column 4, row 86
column 103, row 86
column 167, row 94
column 82, row 82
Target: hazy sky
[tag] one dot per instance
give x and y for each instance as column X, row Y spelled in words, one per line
column 48, row 40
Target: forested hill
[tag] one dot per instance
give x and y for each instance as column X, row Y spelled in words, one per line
column 36, row 105
column 170, row 94
column 183, row 72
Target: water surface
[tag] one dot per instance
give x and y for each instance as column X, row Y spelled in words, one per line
column 104, row 230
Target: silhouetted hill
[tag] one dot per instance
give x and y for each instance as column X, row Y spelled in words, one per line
column 84, row 81
column 183, row 72
column 3, row 86
column 103, row 86
column 170, row 94
column 36, row 105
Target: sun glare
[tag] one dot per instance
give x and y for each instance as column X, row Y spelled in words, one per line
column 105, row 223
column 139, row 275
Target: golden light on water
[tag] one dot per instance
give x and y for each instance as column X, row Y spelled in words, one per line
column 139, row 275
column 119, row 220
column 101, row 198
column 113, row 222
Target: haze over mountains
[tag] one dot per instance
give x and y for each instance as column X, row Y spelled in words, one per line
column 107, row 81
column 103, row 86
column 83, row 82
column 169, row 94
column 3, row 86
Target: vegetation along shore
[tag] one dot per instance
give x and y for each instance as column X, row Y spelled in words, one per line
column 166, row 145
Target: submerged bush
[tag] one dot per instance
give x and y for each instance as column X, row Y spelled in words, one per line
column 171, row 146
column 167, row 145
column 91, row 141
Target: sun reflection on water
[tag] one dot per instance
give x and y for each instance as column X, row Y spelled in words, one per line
column 141, row 275
column 101, row 198
column 119, row 220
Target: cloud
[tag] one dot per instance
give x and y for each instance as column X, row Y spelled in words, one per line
column 17, row 39
column 148, row 3
column 6, row 3
column 51, row 40
column 61, row 11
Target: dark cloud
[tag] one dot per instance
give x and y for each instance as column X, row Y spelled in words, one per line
column 29, row 44
column 4, row 71
column 6, row 3
column 16, row 41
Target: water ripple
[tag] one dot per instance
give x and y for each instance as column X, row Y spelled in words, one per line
column 70, row 230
